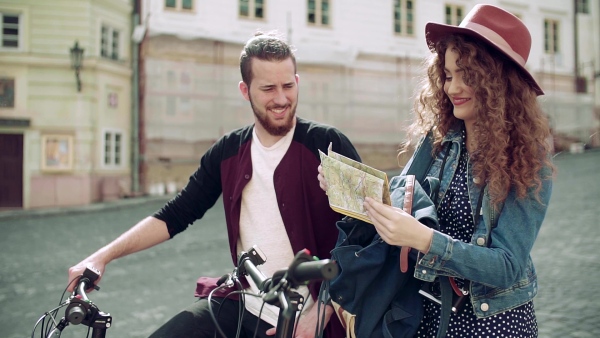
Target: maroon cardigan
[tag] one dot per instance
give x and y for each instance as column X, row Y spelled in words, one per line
column 226, row 168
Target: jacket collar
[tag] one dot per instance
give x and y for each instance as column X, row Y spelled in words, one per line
column 455, row 133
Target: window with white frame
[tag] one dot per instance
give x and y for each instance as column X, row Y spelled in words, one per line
column 253, row 9
column 180, row 5
column 10, row 30
column 454, row 14
column 318, row 12
column 551, row 36
column 113, row 148
column 109, row 42
column 583, row 6
column 404, row 21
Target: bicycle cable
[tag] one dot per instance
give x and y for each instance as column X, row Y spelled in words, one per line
column 212, row 314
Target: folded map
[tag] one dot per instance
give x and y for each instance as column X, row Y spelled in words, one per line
column 349, row 182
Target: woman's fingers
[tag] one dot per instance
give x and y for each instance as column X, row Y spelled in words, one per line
column 321, row 178
column 382, row 212
column 391, row 223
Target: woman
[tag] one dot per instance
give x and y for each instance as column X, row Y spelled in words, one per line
column 489, row 141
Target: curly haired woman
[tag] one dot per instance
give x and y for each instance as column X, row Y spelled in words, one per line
column 493, row 162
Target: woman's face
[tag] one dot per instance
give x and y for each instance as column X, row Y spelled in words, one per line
column 461, row 95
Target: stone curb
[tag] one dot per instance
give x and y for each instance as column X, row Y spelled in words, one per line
column 121, row 203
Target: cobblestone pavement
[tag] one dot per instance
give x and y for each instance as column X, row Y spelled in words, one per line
column 567, row 252
column 143, row 290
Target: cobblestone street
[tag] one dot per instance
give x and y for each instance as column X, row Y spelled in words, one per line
column 143, row 290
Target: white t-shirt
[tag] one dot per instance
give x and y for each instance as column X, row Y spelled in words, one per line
column 261, row 223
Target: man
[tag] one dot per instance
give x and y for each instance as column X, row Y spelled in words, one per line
column 267, row 175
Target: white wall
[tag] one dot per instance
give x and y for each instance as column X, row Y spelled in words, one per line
column 357, row 72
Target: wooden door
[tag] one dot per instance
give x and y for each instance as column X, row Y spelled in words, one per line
column 11, row 170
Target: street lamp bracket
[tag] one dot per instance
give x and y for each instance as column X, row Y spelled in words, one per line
column 76, row 62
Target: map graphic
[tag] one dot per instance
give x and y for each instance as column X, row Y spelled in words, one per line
column 349, row 182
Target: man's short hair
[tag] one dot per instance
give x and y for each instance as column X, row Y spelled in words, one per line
column 266, row 47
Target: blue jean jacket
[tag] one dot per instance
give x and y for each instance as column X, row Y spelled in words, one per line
column 497, row 261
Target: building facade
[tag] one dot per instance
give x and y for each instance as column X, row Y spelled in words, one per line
column 64, row 138
column 357, row 60
column 68, row 139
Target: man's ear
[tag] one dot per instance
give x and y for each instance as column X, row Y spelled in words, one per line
column 245, row 90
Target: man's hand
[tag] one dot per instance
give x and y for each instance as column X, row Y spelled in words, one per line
column 77, row 270
column 307, row 322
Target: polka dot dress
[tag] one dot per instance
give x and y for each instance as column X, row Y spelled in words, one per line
column 455, row 219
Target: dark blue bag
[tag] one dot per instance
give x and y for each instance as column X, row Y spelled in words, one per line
column 384, row 301
column 372, row 297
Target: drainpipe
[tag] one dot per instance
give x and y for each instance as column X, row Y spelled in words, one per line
column 576, row 43
column 135, row 158
column 137, row 37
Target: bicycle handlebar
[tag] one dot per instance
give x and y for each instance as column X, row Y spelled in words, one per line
column 79, row 310
column 278, row 289
column 307, row 271
column 304, row 268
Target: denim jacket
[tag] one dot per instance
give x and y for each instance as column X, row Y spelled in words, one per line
column 497, row 261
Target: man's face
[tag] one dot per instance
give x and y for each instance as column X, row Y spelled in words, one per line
column 273, row 95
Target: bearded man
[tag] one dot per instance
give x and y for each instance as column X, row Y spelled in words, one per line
column 266, row 173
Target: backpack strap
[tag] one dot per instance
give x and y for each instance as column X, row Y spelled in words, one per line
column 409, row 187
column 419, row 166
column 422, row 160
column 446, row 307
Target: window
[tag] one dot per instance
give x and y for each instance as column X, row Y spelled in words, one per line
column 171, row 105
column 7, row 93
column 318, row 12
column 185, row 81
column 10, row 30
column 404, row 22
column 254, row 9
column 454, row 14
column 109, row 43
column 583, row 6
column 551, row 34
column 113, row 148
column 185, row 5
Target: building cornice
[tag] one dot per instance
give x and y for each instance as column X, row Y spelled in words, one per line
column 95, row 64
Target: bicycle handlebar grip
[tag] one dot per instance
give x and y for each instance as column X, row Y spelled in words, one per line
column 315, row 270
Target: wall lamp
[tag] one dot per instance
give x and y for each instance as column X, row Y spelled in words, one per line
column 76, row 60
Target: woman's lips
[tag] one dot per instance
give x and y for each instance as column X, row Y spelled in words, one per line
column 460, row 101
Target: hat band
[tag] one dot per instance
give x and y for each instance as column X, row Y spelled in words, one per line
column 496, row 39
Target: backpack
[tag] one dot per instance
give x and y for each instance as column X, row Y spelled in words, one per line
column 372, row 296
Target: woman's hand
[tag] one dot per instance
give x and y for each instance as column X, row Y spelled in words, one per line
column 321, row 178
column 396, row 227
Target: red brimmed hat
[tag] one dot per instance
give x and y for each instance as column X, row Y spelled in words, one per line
column 499, row 28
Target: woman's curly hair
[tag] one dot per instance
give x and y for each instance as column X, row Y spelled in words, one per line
column 511, row 130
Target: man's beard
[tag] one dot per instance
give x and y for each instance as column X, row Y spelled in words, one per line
column 272, row 129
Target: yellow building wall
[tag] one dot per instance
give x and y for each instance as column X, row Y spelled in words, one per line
column 46, row 94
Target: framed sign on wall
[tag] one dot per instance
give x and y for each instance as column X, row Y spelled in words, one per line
column 57, row 152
